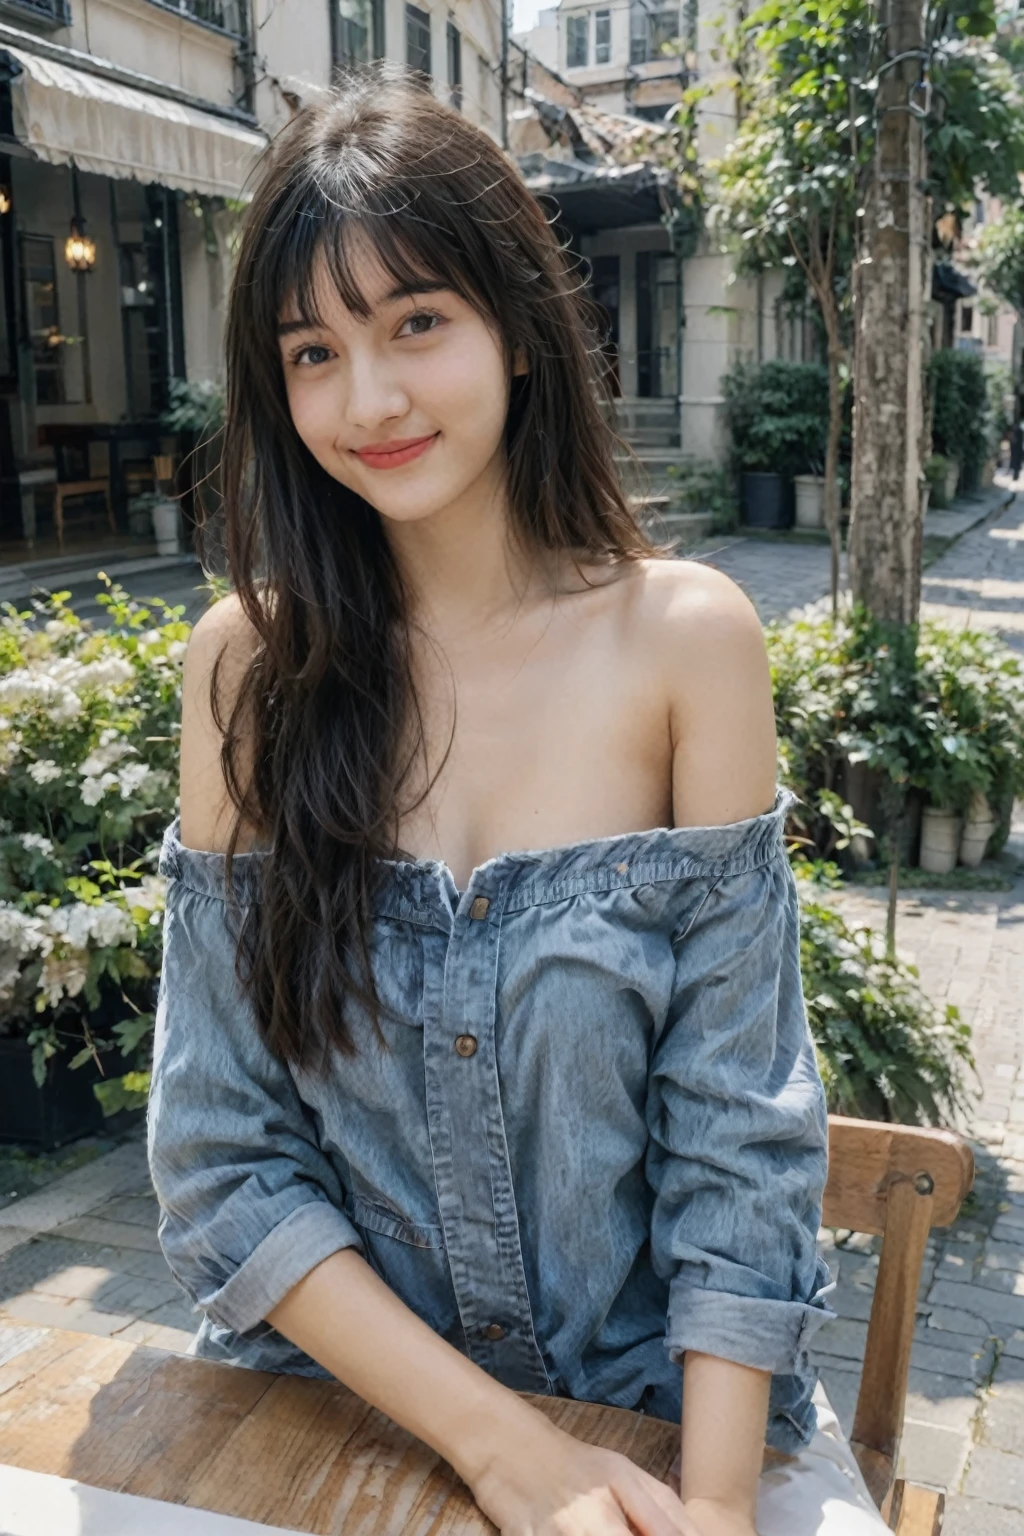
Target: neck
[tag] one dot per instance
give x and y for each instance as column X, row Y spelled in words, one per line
column 461, row 565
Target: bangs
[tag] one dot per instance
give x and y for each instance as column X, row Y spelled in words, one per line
column 327, row 230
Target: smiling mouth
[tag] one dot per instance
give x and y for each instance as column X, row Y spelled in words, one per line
column 391, row 455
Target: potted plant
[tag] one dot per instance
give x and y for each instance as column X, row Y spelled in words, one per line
column 937, row 473
column 140, row 514
column 810, row 500
column 961, row 414
column 166, row 516
column 979, row 825
column 940, row 725
column 88, row 752
column 778, row 418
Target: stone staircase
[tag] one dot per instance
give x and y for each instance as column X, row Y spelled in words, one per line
column 651, row 427
column 652, row 487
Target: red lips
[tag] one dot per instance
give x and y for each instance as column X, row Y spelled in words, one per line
column 401, row 450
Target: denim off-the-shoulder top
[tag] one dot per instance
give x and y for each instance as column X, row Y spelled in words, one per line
column 598, row 1139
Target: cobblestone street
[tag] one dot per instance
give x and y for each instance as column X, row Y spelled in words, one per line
column 82, row 1253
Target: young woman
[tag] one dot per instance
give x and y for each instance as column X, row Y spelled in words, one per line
column 482, row 1066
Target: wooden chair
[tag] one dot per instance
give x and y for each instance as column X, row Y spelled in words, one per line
column 895, row 1182
column 97, row 481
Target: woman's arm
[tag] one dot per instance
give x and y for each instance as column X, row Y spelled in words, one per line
column 528, row 1476
column 726, row 1408
column 724, row 770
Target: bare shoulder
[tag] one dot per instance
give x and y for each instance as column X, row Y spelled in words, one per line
column 701, row 636
column 220, row 650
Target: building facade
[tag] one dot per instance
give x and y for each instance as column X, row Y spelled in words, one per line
column 129, row 131
column 679, row 317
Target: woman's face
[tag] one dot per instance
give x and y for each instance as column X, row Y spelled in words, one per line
column 406, row 408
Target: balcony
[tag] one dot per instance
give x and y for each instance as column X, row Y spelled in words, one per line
column 45, row 13
column 222, row 15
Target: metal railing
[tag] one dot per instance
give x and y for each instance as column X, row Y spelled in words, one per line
column 54, row 13
column 225, row 15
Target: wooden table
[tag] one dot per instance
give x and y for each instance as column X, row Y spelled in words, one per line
column 282, row 1450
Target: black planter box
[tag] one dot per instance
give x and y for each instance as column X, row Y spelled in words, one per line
column 43, row 1118
column 768, row 500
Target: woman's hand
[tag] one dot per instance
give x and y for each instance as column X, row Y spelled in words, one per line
column 711, row 1519
column 545, row 1482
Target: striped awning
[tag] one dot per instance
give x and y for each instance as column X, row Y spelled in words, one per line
column 68, row 116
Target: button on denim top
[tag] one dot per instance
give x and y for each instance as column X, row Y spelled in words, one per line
column 598, row 1139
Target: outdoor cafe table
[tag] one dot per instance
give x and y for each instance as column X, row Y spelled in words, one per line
column 283, row 1451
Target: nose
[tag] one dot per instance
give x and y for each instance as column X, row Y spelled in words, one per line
column 374, row 393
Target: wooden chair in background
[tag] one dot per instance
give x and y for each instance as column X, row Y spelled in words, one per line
column 97, row 480
column 896, row 1182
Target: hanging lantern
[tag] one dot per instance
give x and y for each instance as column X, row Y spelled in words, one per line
column 79, row 250
column 5, row 200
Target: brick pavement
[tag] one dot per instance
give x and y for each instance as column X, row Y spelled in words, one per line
column 82, row 1253
column 979, row 580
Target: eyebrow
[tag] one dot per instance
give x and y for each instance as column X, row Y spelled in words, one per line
column 400, row 291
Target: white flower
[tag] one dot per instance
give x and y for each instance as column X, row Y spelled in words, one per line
column 92, row 790
column 44, row 770
column 66, row 708
column 102, row 924
column 131, row 777
column 36, row 840
column 148, row 894
column 107, row 672
column 21, row 935
column 176, row 649
column 60, row 976
column 106, row 755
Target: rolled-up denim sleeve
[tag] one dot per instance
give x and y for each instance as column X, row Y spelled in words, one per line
column 737, row 1156
column 249, row 1203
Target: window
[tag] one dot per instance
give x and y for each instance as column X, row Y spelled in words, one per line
column 664, row 27
column 650, row 27
column 967, row 319
column 577, row 44
column 358, row 31
column 43, row 317
column 417, row 39
column 979, row 211
column 454, row 42
column 602, row 37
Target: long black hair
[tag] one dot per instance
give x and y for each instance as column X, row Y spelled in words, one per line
column 325, row 709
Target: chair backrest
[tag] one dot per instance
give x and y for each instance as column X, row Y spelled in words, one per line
column 99, row 459
column 897, row 1182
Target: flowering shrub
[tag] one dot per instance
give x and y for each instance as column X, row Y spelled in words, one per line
column 939, row 710
column 89, row 727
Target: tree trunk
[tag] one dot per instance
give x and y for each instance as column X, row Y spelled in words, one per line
column 835, row 433
column 890, row 295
